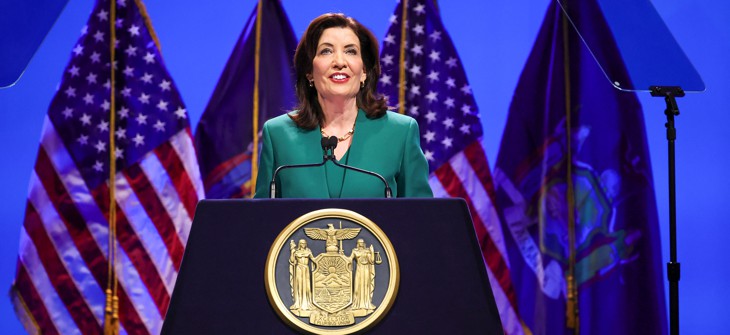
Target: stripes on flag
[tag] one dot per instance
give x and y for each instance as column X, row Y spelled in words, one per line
column 464, row 177
column 62, row 269
column 438, row 96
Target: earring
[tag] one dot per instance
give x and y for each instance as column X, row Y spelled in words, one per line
column 362, row 84
column 311, row 83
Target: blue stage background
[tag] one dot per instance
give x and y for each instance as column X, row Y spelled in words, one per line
column 493, row 39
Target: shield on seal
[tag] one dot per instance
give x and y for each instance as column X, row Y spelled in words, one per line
column 332, row 282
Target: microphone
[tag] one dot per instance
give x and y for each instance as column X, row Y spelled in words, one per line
column 326, row 144
column 332, row 144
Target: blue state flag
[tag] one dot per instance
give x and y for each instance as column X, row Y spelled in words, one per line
column 224, row 136
column 574, row 165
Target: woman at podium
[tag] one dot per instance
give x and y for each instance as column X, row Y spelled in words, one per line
column 337, row 69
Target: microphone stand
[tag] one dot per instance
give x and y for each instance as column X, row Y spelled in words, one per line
column 332, row 144
column 272, row 184
column 669, row 93
column 388, row 192
column 325, row 142
column 329, row 145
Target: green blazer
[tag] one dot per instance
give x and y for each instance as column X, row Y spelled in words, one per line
column 388, row 145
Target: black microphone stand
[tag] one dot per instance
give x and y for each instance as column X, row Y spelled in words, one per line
column 272, row 183
column 388, row 192
column 328, row 145
column 332, row 144
column 669, row 93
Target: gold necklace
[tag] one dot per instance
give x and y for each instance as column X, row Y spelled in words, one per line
column 343, row 137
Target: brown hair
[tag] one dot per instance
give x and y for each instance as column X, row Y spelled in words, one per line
column 310, row 113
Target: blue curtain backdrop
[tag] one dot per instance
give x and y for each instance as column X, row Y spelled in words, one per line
column 197, row 39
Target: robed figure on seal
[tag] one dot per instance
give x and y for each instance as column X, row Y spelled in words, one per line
column 299, row 276
column 364, row 283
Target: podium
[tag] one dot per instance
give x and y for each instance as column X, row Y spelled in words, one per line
column 443, row 280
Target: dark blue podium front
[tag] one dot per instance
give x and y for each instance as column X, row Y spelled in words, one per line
column 444, row 286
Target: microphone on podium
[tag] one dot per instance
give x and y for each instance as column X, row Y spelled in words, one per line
column 325, row 145
column 328, row 145
column 332, row 144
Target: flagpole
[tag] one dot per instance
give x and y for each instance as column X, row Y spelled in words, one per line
column 111, row 311
column 402, row 61
column 571, row 308
column 257, row 73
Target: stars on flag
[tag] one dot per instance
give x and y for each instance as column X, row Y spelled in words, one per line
column 70, row 92
column 131, row 51
column 162, row 105
column 433, row 76
column 435, row 56
column 74, row 71
column 85, row 119
column 144, row 101
column 146, row 78
column 141, row 119
column 448, row 123
column 418, row 29
column 98, row 166
column 438, row 94
column 138, row 140
column 127, row 92
column 432, row 96
column 387, row 60
column 149, row 58
column 128, row 71
column 91, row 78
column 100, row 146
column 435, row 36
column 165, row 85
column 159, row 125
column 144, row 98
column 103, row 126
column 83, row 140
column 88, row 99
column 123, row 113
column 180, row 112
column 385, row 80
column 121, row 133
column 95, row 57
column 103, row 15
column 134, row 30
column 78, row 50
column 420, row 9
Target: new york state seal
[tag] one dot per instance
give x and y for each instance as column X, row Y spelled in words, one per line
column 332, row 271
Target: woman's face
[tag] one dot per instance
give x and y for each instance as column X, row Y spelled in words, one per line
column 337, row 68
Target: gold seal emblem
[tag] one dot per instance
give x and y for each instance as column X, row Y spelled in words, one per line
column 332, row 271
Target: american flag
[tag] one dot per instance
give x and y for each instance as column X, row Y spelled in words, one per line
column 62, row 262
column 438, row 96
